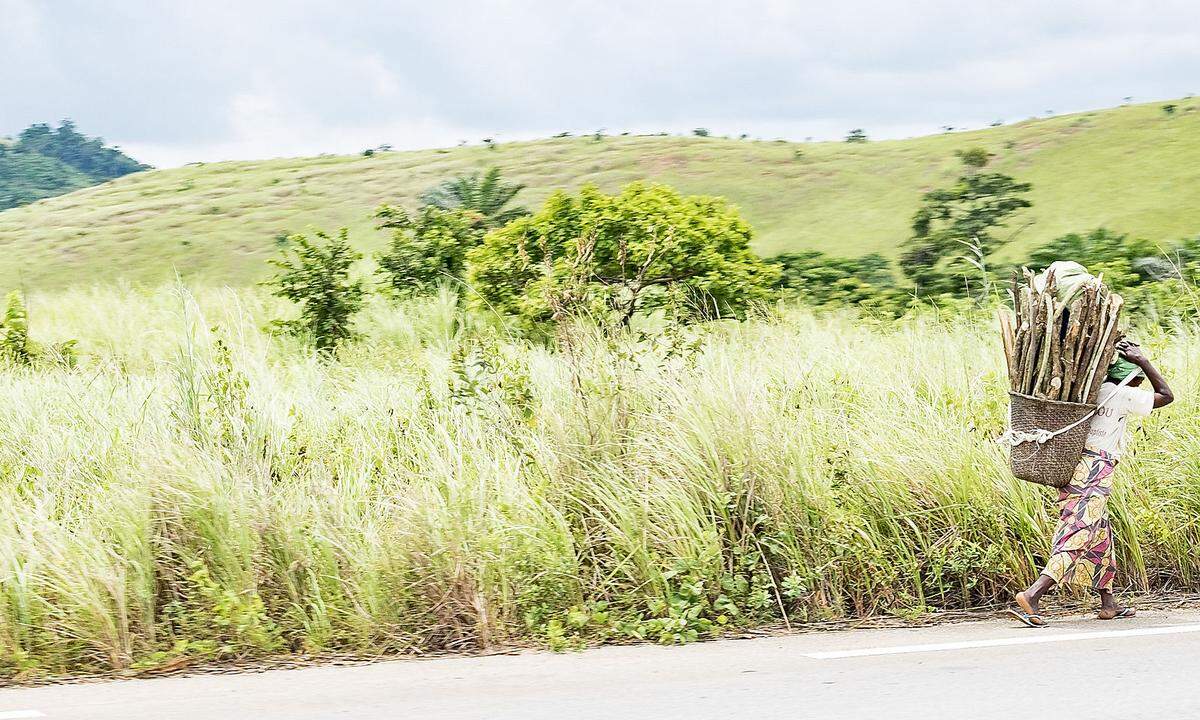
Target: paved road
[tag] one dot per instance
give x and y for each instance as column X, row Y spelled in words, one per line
column 1147, row 667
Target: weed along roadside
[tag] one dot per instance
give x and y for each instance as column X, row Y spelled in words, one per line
column 196, row 489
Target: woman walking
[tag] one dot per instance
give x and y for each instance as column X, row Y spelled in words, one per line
column 1083, row 542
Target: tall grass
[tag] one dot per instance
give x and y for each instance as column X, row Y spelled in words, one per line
column 197, row 488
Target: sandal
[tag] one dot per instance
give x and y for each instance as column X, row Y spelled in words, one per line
column 1027, row 614
column 1033, row 621
column 1125, row 612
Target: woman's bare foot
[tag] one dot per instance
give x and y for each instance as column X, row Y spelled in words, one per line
column 1028, row 602
column 1110, row 608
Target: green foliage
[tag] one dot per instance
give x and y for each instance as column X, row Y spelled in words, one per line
column 1156, row 280
column 612, row 256
column 18, row 348
column 45, row 162
column 975, row 157
column 857, row 135
column 14, row 332
column 819, row 279
column 1123, row 260
column 317, row 277
column 232, row 624
column 429, row 492
column 701, row 132
column 952, row 223
column 27, row 177
column 484, row 195
column 426, row 249
column 1169, row 108
column 86, row 154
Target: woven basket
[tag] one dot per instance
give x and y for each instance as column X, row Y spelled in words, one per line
column 1053, row 462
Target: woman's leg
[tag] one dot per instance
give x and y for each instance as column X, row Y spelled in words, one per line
column 1033, row 594
column 1082, row 510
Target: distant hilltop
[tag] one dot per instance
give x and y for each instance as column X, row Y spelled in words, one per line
column 44, row 162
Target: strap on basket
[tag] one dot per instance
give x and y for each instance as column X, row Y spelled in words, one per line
column 1013, row 438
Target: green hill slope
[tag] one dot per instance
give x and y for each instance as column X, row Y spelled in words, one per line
column 1133, row 169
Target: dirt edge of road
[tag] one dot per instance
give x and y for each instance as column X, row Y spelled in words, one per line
column 1061, row 608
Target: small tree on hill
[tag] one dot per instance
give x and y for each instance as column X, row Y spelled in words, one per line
column 613, row 256
column 317, row 277
column 958, row 220
column 857, row 135
column 486, row 195
column 427, row 248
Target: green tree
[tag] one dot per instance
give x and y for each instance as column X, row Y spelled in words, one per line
column 427, row 248
column 954, row 223
column 614, row 256
column 484, row 195
column 316, row 275
column 857, row 135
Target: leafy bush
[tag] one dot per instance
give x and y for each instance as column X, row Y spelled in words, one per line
column 818, row 279
column 613, row 256
column 1125, row 261
column 857, row 135
column 427, row 248
column 317, row 277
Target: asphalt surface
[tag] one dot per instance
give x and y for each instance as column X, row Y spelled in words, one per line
column 1146, row 667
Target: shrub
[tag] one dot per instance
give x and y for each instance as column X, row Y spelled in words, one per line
column 426, row 249
column 1125, row 261
column 819, row 279
column 317, row 277
column 14, row 332
column 614, row 256
column 701, row 132
column 857, row 135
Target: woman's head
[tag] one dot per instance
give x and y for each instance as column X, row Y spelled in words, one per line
column 1121, row 369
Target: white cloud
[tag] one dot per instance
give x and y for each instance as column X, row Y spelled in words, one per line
column 181, row 81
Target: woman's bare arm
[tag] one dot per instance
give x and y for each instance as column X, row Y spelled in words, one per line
column 1133, row 353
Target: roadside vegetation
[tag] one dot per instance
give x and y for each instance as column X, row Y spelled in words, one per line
column 200, row 489
column 602, row 418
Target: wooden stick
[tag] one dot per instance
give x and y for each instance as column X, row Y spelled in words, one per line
column 1008, row 339
column 1070, row 347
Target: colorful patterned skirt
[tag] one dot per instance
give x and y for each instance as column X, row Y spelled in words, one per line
column 1083, row 543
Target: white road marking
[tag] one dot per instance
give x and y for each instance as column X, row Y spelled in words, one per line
column 19, row 714
column 1031, row 639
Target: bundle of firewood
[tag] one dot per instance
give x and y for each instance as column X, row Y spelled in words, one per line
column 1059, row 349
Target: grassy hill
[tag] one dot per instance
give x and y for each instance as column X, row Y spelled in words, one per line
column 1133, row 169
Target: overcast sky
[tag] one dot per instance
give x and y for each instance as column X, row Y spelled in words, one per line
column 182, row 80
